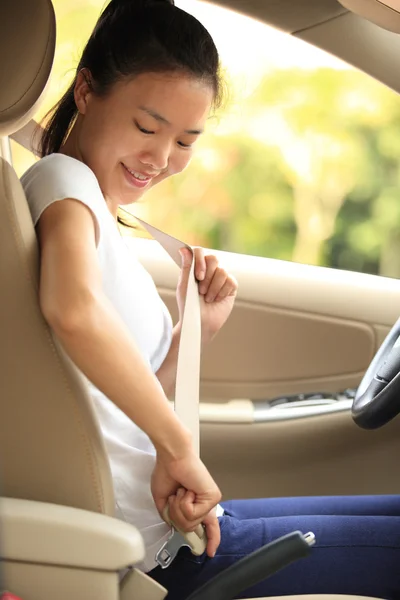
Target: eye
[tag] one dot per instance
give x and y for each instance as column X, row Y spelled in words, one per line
column 182, row 145
column 143, row 130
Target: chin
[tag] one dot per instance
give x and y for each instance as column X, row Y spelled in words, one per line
column 131, row 198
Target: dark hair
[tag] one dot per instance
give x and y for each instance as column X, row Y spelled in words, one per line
column 133, row 37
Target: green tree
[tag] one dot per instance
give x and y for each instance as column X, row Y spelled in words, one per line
column 234, row 196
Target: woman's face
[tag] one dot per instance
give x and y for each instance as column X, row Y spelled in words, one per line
column 140, row 133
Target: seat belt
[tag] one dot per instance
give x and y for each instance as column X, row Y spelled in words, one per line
column 188, row 365
column 187, row 382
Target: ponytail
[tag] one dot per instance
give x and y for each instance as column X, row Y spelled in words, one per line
column 59, row 124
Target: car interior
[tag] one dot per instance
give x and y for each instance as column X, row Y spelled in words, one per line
column 277, row 385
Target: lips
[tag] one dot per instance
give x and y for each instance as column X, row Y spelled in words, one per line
column 135, row 178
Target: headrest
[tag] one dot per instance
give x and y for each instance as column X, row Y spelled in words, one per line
column 385, row 13
column 27, row 43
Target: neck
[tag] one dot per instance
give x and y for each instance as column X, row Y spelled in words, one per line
column 71, row 148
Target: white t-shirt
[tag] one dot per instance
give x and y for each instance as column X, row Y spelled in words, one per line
column 131, row 290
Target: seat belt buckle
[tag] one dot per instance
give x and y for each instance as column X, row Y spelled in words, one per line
column 195, row 540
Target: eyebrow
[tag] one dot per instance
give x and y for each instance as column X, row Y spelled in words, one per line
column 161, row 119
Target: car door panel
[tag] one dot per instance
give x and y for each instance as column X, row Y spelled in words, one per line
column 295, row 329
column 290, row 352
column 319, row 455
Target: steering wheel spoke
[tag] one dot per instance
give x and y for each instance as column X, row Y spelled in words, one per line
column 377, row 400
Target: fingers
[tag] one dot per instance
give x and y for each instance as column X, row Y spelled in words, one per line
column 213, row 531
column 229, row 288
column 221, row 286
column 186, row 511
column 186, row 256
column 180, row 511
column 214, row 280
column 200, row 265
column 217, row 283
column 211, row 266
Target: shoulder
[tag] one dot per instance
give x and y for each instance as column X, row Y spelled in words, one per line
column 57, row 171
column 57, row 177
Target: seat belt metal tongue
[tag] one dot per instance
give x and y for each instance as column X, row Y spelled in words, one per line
column 186, row 388
column 196, row 541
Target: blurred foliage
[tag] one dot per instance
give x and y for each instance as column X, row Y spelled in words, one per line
column 308, row 172
column 305, row 169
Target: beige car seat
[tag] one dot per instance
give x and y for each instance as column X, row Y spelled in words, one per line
column 58, row 537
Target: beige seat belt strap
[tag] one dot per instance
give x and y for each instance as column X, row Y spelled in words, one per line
column 188, row 367
column 187, row 375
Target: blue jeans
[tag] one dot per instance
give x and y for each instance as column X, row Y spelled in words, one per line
column 357, row 550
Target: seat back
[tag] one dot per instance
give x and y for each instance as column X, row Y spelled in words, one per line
column 51, row 448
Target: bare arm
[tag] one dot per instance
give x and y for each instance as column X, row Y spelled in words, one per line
column 166, row 374
column 94, row 336
column 91, row 331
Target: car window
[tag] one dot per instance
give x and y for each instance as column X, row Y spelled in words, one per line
column 300, row 164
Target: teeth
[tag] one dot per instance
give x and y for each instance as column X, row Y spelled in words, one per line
column 137, row 175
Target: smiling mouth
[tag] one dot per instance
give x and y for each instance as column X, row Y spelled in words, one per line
column 138, row 175
column 137, row 179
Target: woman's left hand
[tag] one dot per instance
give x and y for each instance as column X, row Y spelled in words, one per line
column 216, row 287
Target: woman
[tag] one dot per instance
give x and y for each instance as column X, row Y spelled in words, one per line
column 144, row 87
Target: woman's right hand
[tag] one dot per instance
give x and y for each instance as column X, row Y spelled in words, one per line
column 187, row 487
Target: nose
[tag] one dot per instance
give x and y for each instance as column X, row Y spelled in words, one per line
column 156, row 156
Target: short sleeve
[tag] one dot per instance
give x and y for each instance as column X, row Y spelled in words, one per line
column 57, row 177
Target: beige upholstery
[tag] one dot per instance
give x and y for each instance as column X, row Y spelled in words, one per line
column 32, row 530
column 50, row 445
column 384, row 13
column 47, row 545
column 29, row 50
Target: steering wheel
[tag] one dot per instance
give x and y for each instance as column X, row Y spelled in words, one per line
column 377, row 400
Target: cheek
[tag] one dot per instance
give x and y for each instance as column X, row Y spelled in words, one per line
column 95, row 143
column 180, row 162
column 177, row 164
column 106, row 137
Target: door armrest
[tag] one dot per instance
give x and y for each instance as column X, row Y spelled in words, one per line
column 38, row 532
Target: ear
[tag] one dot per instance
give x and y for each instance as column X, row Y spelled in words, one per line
column 82, row 90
